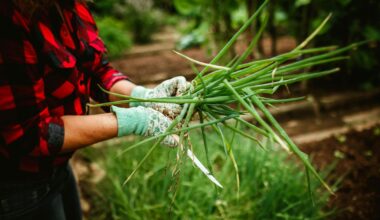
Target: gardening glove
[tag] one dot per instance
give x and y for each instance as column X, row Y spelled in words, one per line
column 143, row 121
column 168, row 88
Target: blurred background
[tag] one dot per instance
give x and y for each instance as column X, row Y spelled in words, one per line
column 338, row 123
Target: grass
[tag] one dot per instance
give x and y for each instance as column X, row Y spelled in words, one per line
column 271, row 184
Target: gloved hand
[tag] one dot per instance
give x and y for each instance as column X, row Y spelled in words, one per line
column 168, row 88
column 143, row 121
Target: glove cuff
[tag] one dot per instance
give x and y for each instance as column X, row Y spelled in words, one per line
column 138, row 92
column 130, row 120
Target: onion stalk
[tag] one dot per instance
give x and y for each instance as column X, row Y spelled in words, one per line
column 218, row 89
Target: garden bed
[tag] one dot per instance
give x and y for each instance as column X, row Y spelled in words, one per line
column 358, row 162
column 356, row 154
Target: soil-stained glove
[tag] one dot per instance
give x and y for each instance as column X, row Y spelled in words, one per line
column 143, row 121
column 168, row 88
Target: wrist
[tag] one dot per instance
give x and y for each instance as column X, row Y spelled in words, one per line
column 138, row 92
column 130, row 120
column 123, row 87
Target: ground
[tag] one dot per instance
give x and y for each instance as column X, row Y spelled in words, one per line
column 358, row 159
column 340, row 126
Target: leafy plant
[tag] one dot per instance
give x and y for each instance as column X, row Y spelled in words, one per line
column 353, row 21
column 115, row 38
column 143, row 23
column 140, row 18
column 219, row 21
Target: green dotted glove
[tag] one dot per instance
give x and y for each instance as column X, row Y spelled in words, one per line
column 143, row 121
column 168, row 88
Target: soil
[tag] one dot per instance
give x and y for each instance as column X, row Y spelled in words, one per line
column 358, row 162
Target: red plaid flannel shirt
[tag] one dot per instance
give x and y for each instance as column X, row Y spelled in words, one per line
column 49, row 67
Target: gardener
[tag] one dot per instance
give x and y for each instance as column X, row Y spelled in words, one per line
column 51, row 62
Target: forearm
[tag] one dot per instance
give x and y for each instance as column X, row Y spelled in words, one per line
column 123, row 87
column 84, row 130
column 81, row 131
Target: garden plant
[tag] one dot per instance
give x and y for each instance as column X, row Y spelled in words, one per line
column 223, row 95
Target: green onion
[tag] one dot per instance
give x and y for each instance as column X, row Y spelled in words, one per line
column 221, row 95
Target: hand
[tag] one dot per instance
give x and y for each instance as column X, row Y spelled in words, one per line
column 143, row 121
column 168, row 88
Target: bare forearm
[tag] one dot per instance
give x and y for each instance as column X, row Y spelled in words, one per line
column 84, row 130
column 123, row 87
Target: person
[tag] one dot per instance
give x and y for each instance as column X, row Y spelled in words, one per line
column 51, row 63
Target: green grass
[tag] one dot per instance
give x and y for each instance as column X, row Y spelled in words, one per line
column 272, row 184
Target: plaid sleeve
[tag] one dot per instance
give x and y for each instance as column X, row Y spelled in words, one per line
column 26, row 126
column 103, row 74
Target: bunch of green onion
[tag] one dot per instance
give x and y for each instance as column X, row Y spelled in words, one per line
column 221, row 94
